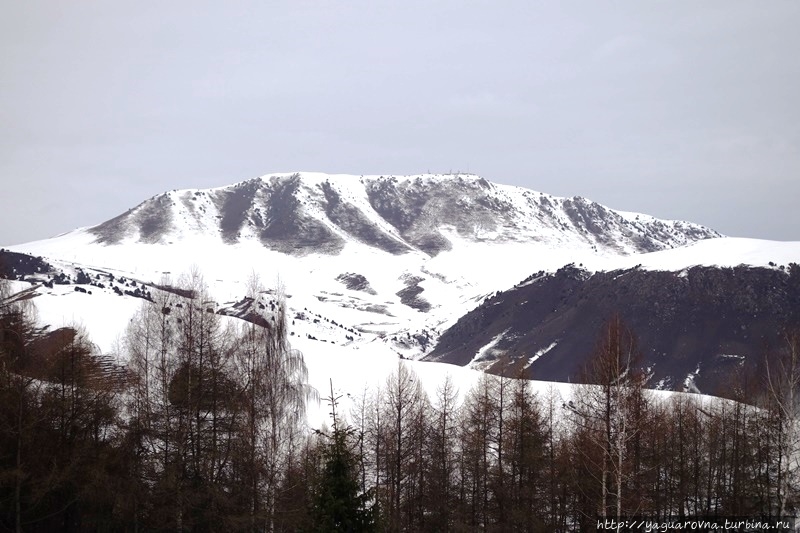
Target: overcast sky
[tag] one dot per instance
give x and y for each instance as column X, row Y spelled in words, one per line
column 686, row 110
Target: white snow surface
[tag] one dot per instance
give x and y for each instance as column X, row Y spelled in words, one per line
column 722, row 252
column 487, row 354
column 540, row 353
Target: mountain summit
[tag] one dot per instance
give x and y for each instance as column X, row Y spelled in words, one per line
column 304, row 213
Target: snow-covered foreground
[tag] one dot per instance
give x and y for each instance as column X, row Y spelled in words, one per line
column 355, row 373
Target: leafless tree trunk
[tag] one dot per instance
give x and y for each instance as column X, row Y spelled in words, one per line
column 783, row 384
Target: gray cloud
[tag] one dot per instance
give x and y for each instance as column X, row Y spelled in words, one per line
column 680, row 109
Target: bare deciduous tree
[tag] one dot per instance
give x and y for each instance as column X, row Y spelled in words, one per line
column 274, row 394
column 610, row 410
column 783, row 402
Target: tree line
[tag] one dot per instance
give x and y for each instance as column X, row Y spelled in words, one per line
column 203, row 430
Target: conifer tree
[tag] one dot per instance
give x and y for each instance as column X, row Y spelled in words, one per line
column 338, row 503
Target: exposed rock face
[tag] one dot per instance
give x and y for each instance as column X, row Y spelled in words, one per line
column 234, row 204
column 287, row 227
column 151, row 220
column 356, row 282
column 312, row 213
column 356, row 223
column 718, row 320
column 411, row 295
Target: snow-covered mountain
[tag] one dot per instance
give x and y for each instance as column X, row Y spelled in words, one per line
column 398, row 257
column 377, row 265
column 318, row 213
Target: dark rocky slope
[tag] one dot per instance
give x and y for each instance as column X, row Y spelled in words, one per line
column 721, row 321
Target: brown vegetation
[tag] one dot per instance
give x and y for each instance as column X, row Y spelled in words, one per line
column 204, row 435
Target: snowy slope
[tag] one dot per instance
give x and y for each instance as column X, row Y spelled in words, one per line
column 722, row 252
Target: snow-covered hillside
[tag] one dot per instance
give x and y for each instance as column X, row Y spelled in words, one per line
column 374, row 266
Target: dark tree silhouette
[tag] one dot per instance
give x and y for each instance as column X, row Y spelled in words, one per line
column 338, row 503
